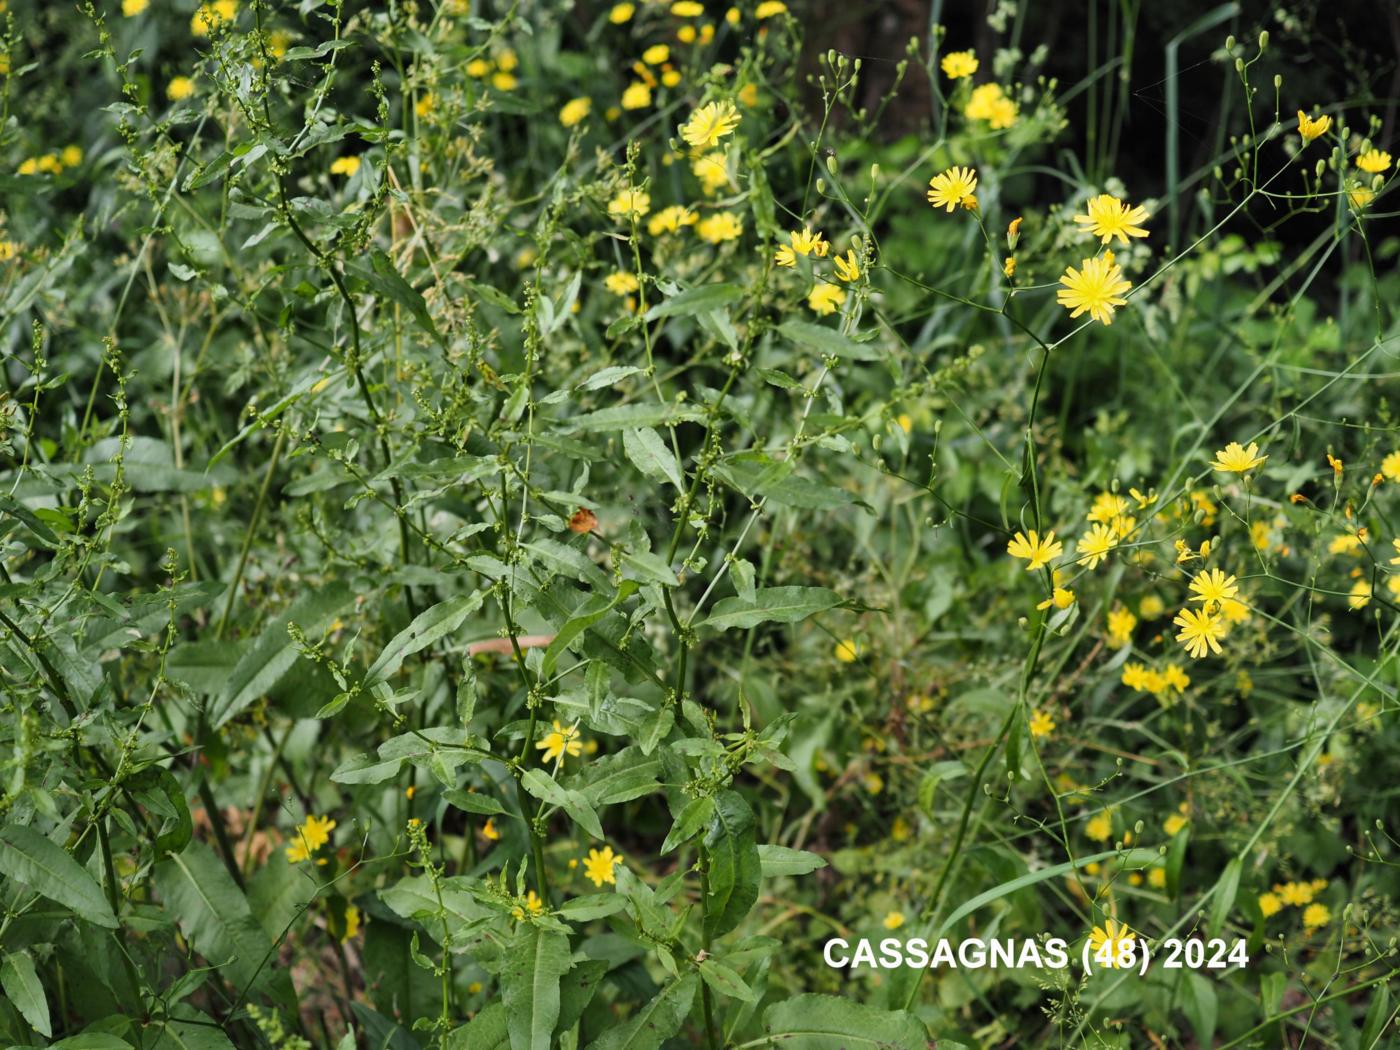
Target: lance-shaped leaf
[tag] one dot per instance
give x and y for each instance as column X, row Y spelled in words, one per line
column 28, row 857
column 828, row 1022
column 771, row 605
column 535, row 962
column 734, row 865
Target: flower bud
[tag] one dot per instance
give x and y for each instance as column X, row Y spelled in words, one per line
column 1230, row 42
column 831, row 163
column 1263, row 39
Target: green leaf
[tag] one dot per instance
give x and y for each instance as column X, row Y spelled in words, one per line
column 91, row 1040
column 780, row 860
column 725, row 981
column 542, row 786
column 655, row 1022
column 1225, row 890
column 757, row 476
column 692, row 818
column 576, row 991
column 427, row 627
column 273, row 654
column 735, row 869
column 25, row 992
column 1377, row 1017
column 771, row 605
column 828, row 341
column 1199, row 1003
column 828, row 1022
column 472, row 802
column 650, row 455
column 587, row 614
column 215, row 918
column 699, row 300
column 536, row 960
column 28, row 857
column 384, row 279
column 486, row 1031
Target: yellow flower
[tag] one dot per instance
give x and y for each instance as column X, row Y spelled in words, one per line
column 1360, row 196
column 345, row 166
column 874, row 783
column 712, row 171
column 710, row 123
column 847, row 650
column 1316, row 916
column 1269, row 904
column 1121, row 622
column 953, row 187
column 1175, row 823
column 1096, row 289
column 656, row 54
column 769, row 8
column 508, row 61
column 629, row 203
column 1176, row 678
column 959, row 64
column 1107, row 217
column 1114, row 935
column 277, row 43
column 503, row 81
column 1311, row 128
column 989, row 103
column 179, row 89
column 825, row 298
column 847, row 267
column 1360, row 594
column 425, row 105
column 686, row 34
column 671, row 77
column 1157, row 878
column 720, row 227
column 8, row 250
column 488, row 830
column 1037, row 551
column 1100, row 828
column 131, row 8
column 531, row 904
column 310, row 837
column 1234, row 458
column 801, row 242
column 600, row 866
column 1345, row 543
column 1093, row 546
column 1373, row 161
column 211, row 16
column 1041, row 724
column 1151, row 607
column 894, row 920
column 352, row 923
column 1008, row 268
column 621, row 13
column 1200, row 630
column 637, row 96
column 1211, row 588
column 671, row 220
column 479, row 68
column 687, row 9
column 1060, row 598
column 1294, row 894
column 563, row 739
column 732, row 16
column 71, row 156
column 621, row 283
column 574, row 111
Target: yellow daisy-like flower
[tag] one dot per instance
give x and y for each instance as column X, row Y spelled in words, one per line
column 1316, row 916
column 621, row 282
column 560, row 741
column 1096, row 289
column 489, row 831
column 621, row 13
column 1041, row 724
column 310, row 837
column 825, row 299
column 1360, row 596
column 179, row 89
column 1121, row 623
column 1093, row 546
column 1114, row 935
column 671, row 220
column 1234, row 458
column 712, row 169
column 1173, row 824
column 801, row 242
column 1100, row 828
column 503, row 81
column 710, row 123
column 131, row 8
column 211, row 16
column 953, row 187
column 600, row 866
column 352, row 923
column 1176, row 678
column 629, row 203
column 893, row 920
column 1108, row 217
column 1212, row 587
column 847, row 267
column 346, row 166
column 720, row 227
column 636, row 96
column 990, row 103
column 847, row 650
column 687, row 9
column 1312, row 127
column 768, row 9
column 1269, row 904
column 1200, row 631
column 1060, row 598
column 531, row 904
column 959, row 64
column 574, row 111
column 1037, row 551
column 1373, row 161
